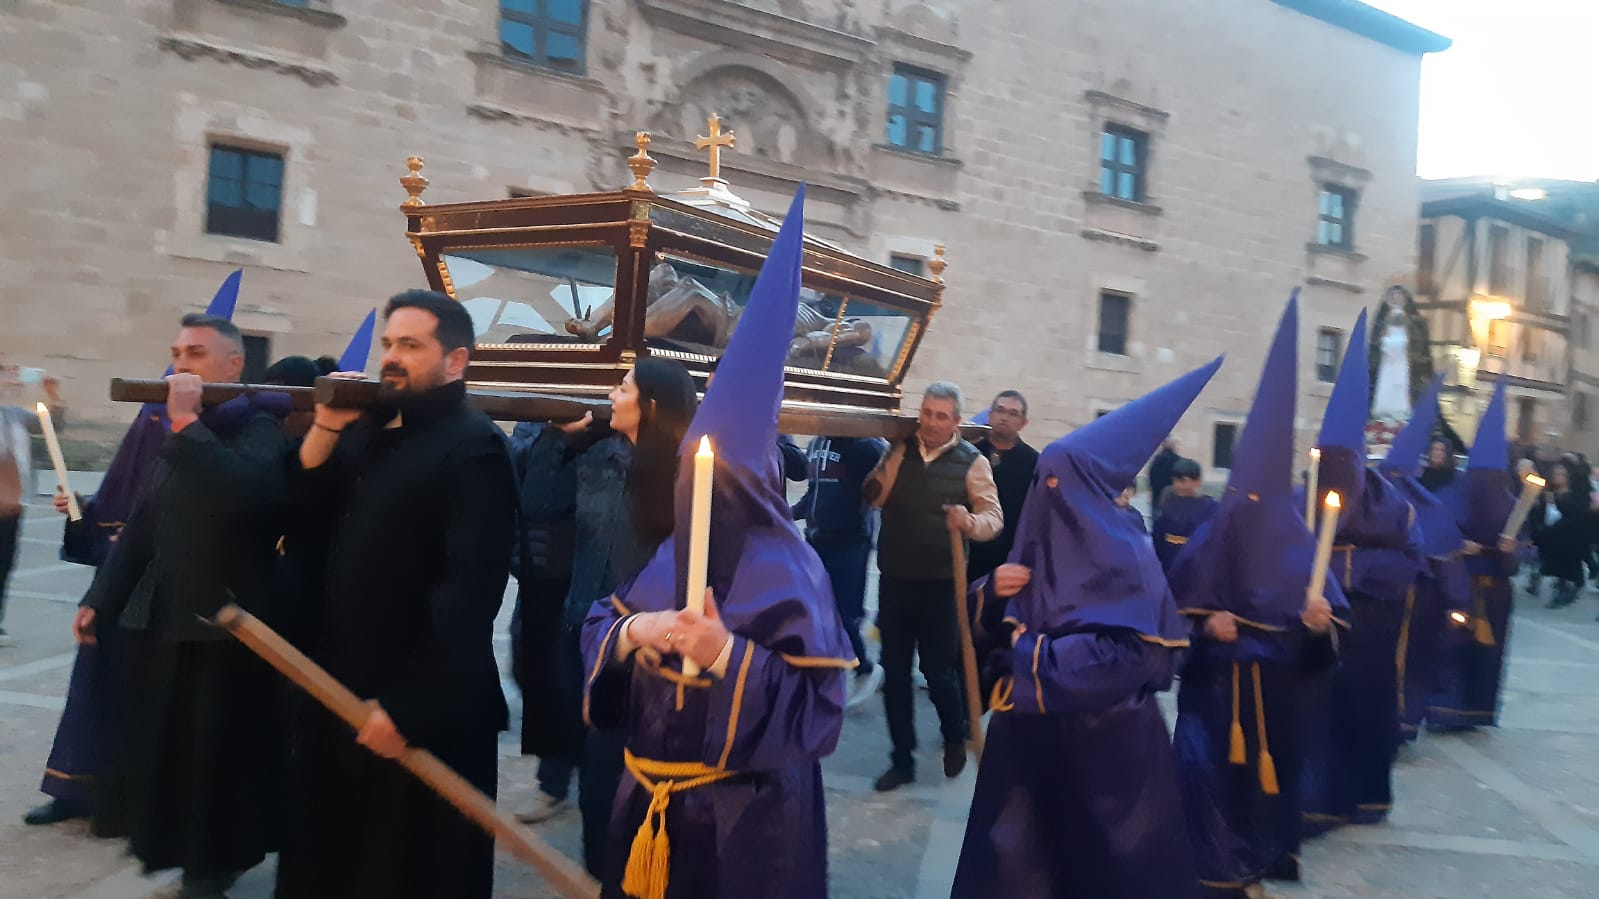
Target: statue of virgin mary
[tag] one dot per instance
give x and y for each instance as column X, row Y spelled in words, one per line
column 1399, row 354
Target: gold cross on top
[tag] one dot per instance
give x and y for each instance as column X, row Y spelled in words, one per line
column 715, row 143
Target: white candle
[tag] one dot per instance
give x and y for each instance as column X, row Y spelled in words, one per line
column 1310, row 490
column 699, row 536
column 1329, row 527
column 49, row 427
column 1531, row 486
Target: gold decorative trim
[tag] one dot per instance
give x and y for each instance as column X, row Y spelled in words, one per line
column 414, row 183
column 738, row 702
column 908, row 341
column 1038, row 685
column 449, row 283
column 820, row 662
column 638, row 234
column 599, row 662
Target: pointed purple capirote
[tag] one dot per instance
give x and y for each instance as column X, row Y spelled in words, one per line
column 1254, row 557
column 769, row 584
column 1415, row 438
column 355, row 355
column 1091, row 567
column 1344, row 423
column 1485, row 493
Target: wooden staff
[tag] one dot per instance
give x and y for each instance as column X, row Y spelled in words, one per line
column 568, row 879
column 343, row 393
column 974, row 700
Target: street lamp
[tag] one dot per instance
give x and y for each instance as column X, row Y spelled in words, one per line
column 1482, row 310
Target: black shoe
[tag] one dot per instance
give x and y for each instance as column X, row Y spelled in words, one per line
column 54, row 812
column 1286, row 867
column 954, row 759
column 893, row 779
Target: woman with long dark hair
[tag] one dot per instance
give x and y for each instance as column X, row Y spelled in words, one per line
column 623, row 510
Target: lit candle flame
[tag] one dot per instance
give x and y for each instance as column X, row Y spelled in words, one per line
column 40, row 408
column 1315, row 454
column 1333, row 502
column 1458, row 617
column 1536, row 481
column 705, row 446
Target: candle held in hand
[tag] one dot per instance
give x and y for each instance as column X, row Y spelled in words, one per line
column 47, row 424
column 1531, row 486
column 1310, row 492
column 699, row 536
column 1329, row 527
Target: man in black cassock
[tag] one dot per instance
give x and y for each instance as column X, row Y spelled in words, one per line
column 416, row 501
column 201, row 741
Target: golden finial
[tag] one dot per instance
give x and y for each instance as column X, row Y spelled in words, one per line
column 938, row 264
column 414, row 182
column 642, row 163
column 715, row 142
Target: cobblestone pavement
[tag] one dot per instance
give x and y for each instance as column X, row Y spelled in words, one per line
column 1506, row 813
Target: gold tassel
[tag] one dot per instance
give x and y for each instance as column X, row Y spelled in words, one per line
column 648, row 860
column 1268, row 768
column 1236, row 756
column 1484, row 630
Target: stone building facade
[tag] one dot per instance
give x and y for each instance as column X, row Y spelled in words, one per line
column 1127, row 188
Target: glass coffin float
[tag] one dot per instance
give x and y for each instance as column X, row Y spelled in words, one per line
column 567, row 292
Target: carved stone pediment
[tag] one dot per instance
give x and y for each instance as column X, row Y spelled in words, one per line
column 767, row 117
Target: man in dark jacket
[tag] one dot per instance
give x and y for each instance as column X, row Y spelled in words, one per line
column 839, row 526
column 1013, row 462
column 928, row 485
column 418, row 503
column 202, row 741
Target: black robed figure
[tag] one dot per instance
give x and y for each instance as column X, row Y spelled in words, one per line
column 415, row 502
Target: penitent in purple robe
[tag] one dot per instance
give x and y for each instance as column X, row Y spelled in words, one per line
column 1376, row 558
column 1178, row 521
column 1240, row 722
column 76, row 756
column 724, row 798
column 1077, row 790
column 1471, row 667
column 1443, row 585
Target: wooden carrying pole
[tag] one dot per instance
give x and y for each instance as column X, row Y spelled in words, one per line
column 570, row 880
column 515, row 405
column 974, row 701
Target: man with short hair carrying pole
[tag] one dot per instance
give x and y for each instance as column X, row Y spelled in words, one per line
column 416, row 501
column 202, row 741
column 82, row 745
column 928, row 485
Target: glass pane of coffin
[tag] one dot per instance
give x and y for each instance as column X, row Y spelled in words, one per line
column 537, row 295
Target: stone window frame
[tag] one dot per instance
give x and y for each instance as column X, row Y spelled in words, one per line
column 1330, row 174
column 1338, row 338
column 1107, row 111
column 914, row 116
column 1217, row 422
column 1127, row 322
column 246, row 154
column 197, row 128
column 541, row 23
column 1341, row 218
column 919, row 271
column 1120, row 136
column 314, row 12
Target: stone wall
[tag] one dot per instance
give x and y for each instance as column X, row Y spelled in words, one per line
column 106, row 111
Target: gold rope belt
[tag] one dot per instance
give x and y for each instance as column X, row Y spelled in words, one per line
column 1266, row 768
column 648, row 863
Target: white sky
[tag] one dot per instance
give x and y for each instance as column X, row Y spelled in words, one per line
column 1517, row 94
